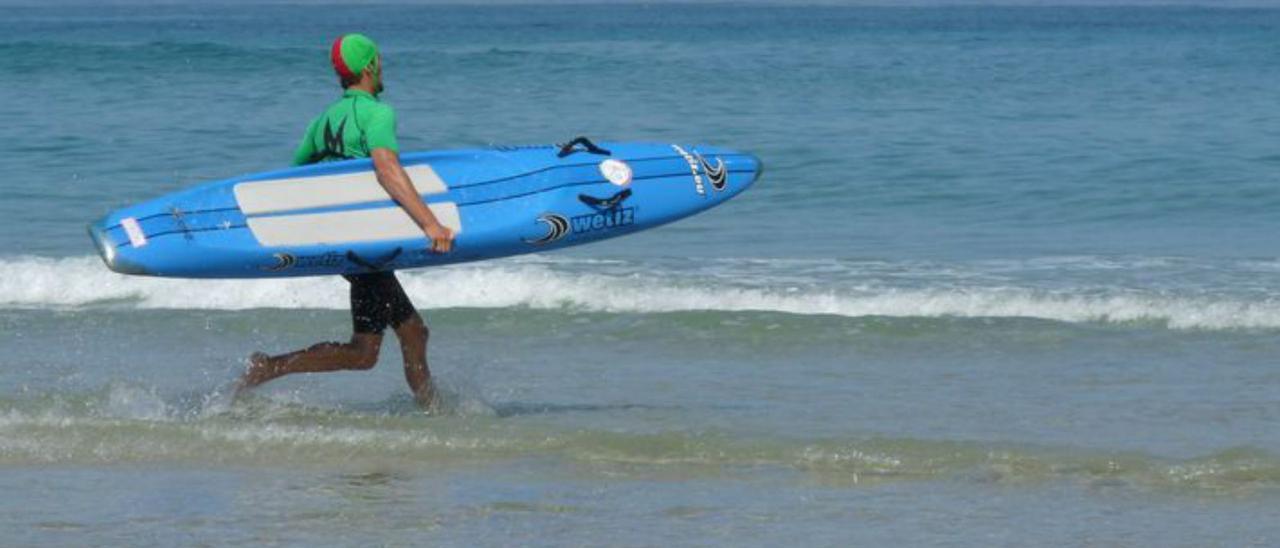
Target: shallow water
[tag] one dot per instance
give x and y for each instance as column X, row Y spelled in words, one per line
column 1009, row 279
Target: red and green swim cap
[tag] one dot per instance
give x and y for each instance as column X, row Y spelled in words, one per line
column 351, row 53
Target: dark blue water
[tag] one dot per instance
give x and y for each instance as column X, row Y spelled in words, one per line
column 1010, row 278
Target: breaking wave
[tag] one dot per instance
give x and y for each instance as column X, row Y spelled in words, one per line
column 598, row 286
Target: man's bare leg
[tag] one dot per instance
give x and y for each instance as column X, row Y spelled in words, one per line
column 360, row 353
column 413, row 335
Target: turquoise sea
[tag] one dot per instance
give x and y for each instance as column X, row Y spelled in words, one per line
column 1011, row 278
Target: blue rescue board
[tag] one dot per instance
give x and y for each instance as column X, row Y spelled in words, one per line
column 334, row 218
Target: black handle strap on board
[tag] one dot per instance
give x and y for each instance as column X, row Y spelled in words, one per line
column 569, row 147
column 605, row 204
column 373, row 266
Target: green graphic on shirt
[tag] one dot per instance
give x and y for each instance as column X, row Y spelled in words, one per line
column 352, row 127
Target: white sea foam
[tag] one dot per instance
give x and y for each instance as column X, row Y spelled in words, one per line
column 33, row 282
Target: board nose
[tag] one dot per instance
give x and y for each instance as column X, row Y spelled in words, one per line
column 109, row 251
column 751, row 167
column 102, row 243
column 759, row 168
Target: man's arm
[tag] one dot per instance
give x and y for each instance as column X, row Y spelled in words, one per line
column 392, row 177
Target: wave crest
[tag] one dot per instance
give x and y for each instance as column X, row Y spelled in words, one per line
column 35, row 282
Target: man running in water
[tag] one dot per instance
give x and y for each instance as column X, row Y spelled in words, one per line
column 360, row 126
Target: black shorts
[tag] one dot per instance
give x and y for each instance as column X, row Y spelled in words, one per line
column 378, row 301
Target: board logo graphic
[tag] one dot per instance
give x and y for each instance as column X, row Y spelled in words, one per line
column 514, row 148
column 693, row 169
column 609, row 214
column 557, row 229
column 614, row 217
column 284, row 261
column 716, row 174
column 323, row 260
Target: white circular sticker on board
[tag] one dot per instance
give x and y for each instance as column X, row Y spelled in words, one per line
column 616, row 171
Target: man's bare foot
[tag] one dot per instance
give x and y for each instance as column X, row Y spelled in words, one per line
column 427, row 399
column 254, row 374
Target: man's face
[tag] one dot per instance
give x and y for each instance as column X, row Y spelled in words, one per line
column 377, row 75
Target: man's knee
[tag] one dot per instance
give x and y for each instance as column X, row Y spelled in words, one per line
column 364, row 353
column 413, row 330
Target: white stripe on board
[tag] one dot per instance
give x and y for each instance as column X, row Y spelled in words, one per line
column 364, row 225
column 327, row 190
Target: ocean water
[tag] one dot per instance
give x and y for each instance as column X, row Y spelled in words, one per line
column 1011, row 278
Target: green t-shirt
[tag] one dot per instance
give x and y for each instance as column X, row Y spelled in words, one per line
column 350, row 128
